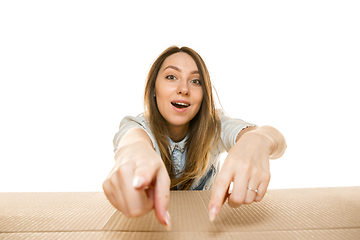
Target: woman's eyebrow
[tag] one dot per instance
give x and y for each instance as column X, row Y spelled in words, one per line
column 179, row 70
column 173, row 67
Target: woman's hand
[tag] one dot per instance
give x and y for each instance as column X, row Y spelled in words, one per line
column 247, row 166
column 139, row 181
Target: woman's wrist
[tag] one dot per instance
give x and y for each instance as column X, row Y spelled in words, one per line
column 278, row 140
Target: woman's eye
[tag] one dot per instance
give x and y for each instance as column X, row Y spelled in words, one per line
column 171, row 77
column 196, row 81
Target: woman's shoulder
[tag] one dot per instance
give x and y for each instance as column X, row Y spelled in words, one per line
column 226, row 119
column 139, row 119
column 129, row 122
column 230, row 128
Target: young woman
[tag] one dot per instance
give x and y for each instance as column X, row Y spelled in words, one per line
column 176, row 144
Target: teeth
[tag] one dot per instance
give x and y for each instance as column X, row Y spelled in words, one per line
column 182, row 104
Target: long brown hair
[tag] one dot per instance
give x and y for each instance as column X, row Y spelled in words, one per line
column 204, row 129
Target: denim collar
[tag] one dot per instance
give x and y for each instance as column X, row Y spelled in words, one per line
column 178, row 145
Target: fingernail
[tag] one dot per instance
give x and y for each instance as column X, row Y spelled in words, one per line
column 138, row 182
column 167, row 221
column 212, row 213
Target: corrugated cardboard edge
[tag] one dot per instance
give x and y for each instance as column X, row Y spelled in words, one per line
column 321, row 213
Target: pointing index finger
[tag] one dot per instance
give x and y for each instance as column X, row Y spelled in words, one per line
column 219, row 192
column 162, row 197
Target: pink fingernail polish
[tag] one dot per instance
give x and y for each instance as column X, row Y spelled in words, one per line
column 212, row 213
column 138, row 182
column 167, row 221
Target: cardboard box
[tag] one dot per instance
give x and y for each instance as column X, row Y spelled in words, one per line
column 317, row 213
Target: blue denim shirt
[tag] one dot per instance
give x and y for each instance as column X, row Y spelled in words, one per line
column 230, row 128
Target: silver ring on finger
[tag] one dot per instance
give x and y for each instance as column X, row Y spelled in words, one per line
column 255, row 190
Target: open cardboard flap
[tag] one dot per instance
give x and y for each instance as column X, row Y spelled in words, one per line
column 319, row 213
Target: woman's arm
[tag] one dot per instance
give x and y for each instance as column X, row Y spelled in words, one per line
column 277, row 139
column 247, row 166
column 139, row 181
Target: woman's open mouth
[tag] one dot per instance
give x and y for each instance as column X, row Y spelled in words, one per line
column 180, row 104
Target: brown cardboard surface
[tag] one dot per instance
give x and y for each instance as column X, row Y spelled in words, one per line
column 318, row 213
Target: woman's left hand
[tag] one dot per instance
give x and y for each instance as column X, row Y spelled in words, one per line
column 247, row 166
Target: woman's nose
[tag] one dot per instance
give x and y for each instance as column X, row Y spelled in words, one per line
column 183, row 88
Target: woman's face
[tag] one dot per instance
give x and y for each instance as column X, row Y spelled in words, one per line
column 178, row 92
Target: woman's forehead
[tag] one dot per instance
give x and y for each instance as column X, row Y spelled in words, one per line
column 182, row 61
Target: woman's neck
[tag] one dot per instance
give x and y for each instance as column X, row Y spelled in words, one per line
column 178, row 133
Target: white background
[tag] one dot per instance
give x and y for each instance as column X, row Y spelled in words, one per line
column 71, row 70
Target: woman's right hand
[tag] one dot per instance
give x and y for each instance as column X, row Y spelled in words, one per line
column 139, row 181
